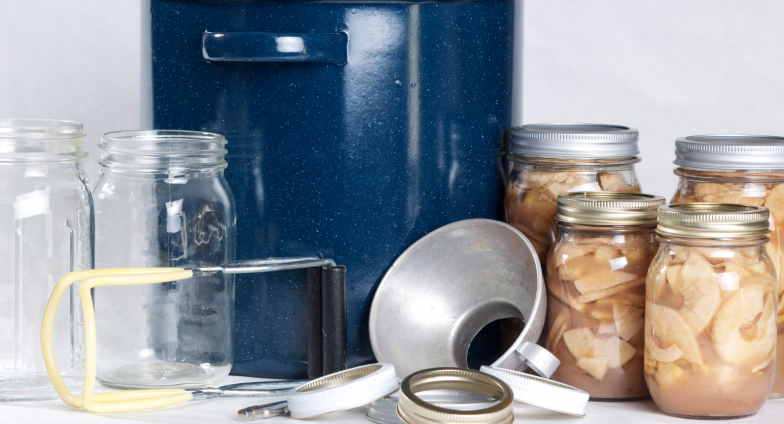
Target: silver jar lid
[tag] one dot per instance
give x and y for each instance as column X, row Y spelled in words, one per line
column 712, row 220
column 608, row 208
column 578, row 141
column 730, row 152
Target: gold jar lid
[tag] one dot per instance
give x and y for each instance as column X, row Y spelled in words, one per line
column 608, row 208
column 413, row 410
column 712, row 220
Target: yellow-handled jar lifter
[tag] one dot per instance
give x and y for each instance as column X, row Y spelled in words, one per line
column 134, row 400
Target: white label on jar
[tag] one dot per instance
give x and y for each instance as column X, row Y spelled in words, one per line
column 34, row 172
column 754, row 190
column 174, row 216
column 177, row 177
column 718, row 253
column 618, row 263
column 586, row 187
column 31, row 204
column 728, row 280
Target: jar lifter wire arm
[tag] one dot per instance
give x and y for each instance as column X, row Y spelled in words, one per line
column 252, row 389
column 327, row 331
column 252, row 266
column 134, row 400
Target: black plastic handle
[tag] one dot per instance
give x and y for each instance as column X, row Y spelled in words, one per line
column 315, row 342
column 333, row 319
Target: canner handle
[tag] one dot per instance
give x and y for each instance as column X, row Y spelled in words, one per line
column 275, row 47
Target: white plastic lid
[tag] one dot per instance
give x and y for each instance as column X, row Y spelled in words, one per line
column 541, row 392
column 343, row 390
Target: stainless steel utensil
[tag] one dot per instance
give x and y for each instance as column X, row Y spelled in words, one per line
column 449, row 285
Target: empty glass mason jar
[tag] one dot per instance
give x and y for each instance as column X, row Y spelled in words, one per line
column 596, row 291
column 744, row 169
column 554, row 159
column 162, row 201
column 46, row 231
column 710, row 314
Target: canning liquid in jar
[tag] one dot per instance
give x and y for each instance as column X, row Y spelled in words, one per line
column 710, row 320
column 596, row 291
column 554, row 159
column 745, row 170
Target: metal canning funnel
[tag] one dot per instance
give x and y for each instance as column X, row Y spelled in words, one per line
column 449, row 285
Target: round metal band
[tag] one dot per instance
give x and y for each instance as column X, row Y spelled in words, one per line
column 384, row 411
column 579, row 141
column 730, row 152
column 343, row 390
column 608, row 208
column 414, row 410
column 712, row 220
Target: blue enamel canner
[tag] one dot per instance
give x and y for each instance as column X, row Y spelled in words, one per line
column 354, row 129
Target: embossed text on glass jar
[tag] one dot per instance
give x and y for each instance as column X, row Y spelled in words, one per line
column 162, row 201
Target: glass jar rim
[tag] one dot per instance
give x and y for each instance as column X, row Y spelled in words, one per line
column 620, row 228
column 574, row 161
column 717, row 242
column 24, row 129
column 163, row 142
column 720, row 174
column 156, row 150
column 41, row 140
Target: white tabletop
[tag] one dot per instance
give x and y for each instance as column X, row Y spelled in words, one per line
column 224, row 410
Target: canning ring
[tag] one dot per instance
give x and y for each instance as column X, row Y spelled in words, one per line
column 414, row 410
column 384, row 411
column 343, row 390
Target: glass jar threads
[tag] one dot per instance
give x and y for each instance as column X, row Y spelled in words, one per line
column 710, row 316
column 596, row 291
column 744, row 169
column 554, row 159
column 46, row 231
column 162, row 201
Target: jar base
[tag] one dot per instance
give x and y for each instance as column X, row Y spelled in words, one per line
column 163, row 374
column 700, row 417
column 629, row 399
column 34, row 387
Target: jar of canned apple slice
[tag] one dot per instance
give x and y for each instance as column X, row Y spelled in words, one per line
column 710, row 312
column 553, row 159
column 596, row 291
column 745, row 170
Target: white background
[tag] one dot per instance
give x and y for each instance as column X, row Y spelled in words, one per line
column 668, row 67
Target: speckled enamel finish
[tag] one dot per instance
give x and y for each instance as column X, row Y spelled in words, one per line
column 352, row 161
